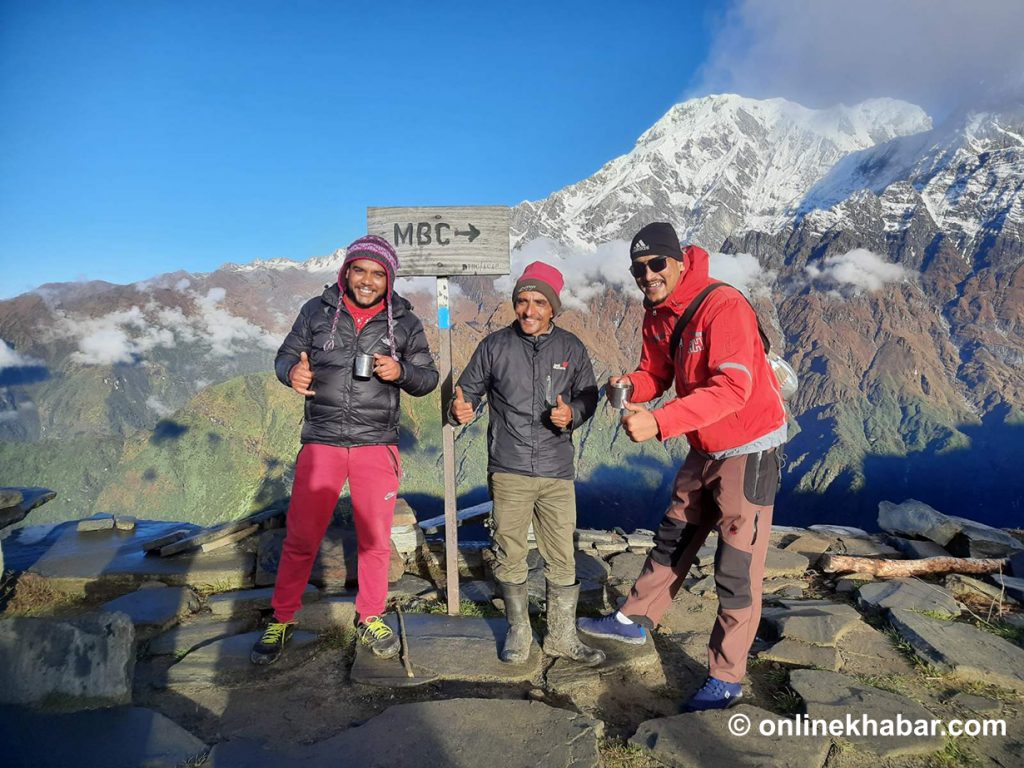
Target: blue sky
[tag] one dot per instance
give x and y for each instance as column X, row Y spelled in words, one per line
column 144, row 137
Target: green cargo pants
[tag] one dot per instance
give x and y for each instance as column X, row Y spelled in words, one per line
column 550, row 503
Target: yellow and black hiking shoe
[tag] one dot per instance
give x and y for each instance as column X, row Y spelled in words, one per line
column 378, row 637
column 268, row 648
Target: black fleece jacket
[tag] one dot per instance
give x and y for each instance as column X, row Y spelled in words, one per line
column 347, row 411
column 522, row 377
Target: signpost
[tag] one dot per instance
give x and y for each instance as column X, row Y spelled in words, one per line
column 442, row 242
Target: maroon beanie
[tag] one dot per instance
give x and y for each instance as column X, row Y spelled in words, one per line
column 379, row 250
column 544, row 279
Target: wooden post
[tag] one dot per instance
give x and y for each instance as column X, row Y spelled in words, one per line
column 451, row 532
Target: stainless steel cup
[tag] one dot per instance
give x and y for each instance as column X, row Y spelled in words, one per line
column 362, row 367
column 618, row 393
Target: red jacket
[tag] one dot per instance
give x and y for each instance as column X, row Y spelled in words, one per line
column 726, row 393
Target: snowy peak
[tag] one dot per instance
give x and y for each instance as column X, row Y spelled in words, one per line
column 715, row 166
column 314, row 265
column 966, row 173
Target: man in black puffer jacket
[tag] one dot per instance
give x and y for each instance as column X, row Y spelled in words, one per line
column 540, row 386
column 350, row 432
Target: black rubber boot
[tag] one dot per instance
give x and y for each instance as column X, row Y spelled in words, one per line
column 562, row 640
column 519, row 637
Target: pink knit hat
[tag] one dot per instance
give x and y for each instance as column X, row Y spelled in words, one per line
column 544, row 279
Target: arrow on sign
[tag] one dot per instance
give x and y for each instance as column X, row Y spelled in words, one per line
column 472, row 234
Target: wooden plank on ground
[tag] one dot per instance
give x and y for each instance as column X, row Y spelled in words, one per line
column 230, row 538
column 218, row 531
column 469, row 513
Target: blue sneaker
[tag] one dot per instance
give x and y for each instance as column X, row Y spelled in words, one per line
column 613, row 629
column 714, row 694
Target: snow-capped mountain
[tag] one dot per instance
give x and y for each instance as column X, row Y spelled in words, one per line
column 716, row 166
column 967, row 176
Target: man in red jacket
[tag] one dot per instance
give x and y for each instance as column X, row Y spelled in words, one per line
column 729, row 407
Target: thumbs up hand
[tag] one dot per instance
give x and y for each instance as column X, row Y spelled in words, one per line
column 462, row 410
column 301, row 376
column 561, row 413
column 639, row 423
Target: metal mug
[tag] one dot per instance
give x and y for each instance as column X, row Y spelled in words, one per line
column 618, row 393
column 362, row 366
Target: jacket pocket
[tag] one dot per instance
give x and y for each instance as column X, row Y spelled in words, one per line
column 761, row 477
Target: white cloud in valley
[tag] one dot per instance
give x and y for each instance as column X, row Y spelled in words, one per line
column 855, row 272
column 127, row 336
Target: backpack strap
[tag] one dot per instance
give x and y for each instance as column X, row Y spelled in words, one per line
column 687, row 316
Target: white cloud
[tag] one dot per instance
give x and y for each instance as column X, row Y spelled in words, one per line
column 940, row 54
column 227, row 333
column 11, row 358
column 127, row 335
column 161, row 409
column 15, row 413
column 855, row 272
column 588, row 271
column 182, row 284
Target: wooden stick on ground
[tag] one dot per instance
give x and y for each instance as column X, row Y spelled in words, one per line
column 900, row 568
column 404, row 637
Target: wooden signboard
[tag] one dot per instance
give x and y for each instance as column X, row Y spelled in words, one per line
column 446, row 241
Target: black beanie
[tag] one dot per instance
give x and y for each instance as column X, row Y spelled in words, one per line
column 659, row 239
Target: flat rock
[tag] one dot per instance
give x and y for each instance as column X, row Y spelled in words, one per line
column 706, row 554
column 446, row 648
column 619, row 657
column 961, row 586
column 798, row 654
column 98, row 523
column 982, row 705
column 237, row 604
column 154, row 610
column 333, row 612
column 625, row 568
column 704, row 738
column 225, row 662
column 817, row 622
column 88, row 659
column 830, row 696
column 915, row 518
column 16, row 503
column 414, row 586
column 704, row 587
column 919, row 549
column 772, row 586
column 122, row 737
column 113, row 562
column 689, row 613
column 780, row 563
column 1014, row 586
column 336, row 562
column 911, row 594
column 184, row 638
column 866, row 651
column 961, row 649
column 810, row 545
column 852, row 582
column 866, row 546
column 463, row 733
column 980, row 540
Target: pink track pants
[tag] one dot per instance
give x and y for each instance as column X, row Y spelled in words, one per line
column 373, row 473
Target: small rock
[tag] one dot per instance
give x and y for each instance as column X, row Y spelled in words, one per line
column 96, row 524
column 124, row 522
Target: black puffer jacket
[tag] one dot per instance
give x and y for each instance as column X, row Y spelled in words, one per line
column 347, row 411
column 522, row 377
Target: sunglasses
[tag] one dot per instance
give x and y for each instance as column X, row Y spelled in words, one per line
column 639, row 268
